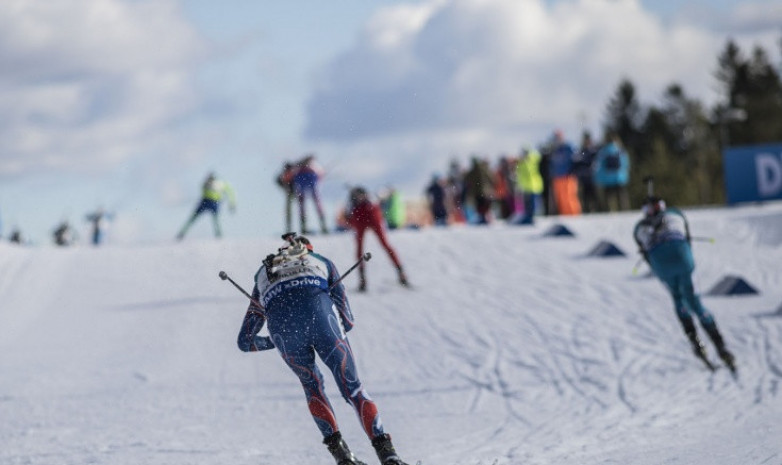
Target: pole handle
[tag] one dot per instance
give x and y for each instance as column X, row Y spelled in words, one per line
column 364, row 258
column 224, row 276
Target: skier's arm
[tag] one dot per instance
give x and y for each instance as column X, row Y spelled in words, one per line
column 638, row 241
column 339, row 297
column 254, row 319
column 676, row 211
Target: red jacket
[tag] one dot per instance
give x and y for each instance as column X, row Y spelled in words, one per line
column 364, row 215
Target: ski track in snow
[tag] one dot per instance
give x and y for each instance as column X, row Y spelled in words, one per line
column 511, row 348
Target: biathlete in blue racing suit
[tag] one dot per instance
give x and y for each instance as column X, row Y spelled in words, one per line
column 308, row 313
column 663, row 238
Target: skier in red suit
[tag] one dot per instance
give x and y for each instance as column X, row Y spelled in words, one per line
column 363, row 214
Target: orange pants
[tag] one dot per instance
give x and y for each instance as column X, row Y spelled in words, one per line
column 566, row 195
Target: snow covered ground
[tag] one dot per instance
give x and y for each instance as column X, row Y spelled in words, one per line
column 513, row 348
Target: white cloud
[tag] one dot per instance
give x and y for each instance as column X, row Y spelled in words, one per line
column 424, row 82
column 745, row 18
column 753, row 16
column 478, row 64
column 87, row 84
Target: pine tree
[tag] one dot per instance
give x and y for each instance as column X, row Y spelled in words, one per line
column 693, row 144
column 763, row 100
column 625, row 116
column 751, row 108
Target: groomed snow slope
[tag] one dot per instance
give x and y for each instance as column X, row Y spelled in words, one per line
column 513, row 348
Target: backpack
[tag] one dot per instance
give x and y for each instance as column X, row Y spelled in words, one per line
column 612, row 162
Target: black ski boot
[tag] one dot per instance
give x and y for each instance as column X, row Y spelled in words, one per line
column 699, row 350
column 727, row 358
column 402, row 277
column 339, row 449
column 385, row 450
column 697, row 346
column 362, row 281
column 323, row 228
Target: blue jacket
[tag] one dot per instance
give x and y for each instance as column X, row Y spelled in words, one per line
column 290, row 294
column 664, row 241
column 561, row 161
column 605, row 174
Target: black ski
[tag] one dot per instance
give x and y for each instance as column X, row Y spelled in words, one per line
column 700, row 352
column 706, row 361
column 730, row 362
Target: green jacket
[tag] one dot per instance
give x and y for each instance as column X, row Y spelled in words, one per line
column 395, row 211
column 528, row 173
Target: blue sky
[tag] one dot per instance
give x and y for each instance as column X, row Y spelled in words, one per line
column 127, row 104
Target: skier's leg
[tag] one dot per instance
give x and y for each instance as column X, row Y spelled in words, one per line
column 216, row 224
column 319, row 208
column 336, row 353
column 694, row 302
column 185, row 227
column 676, row 288
column 706, row 319
column 381, row 235
column 302, row 363
column 300, row 194
column 362, row 277
column 189, row 223
column 322, row 412
column 289, row 197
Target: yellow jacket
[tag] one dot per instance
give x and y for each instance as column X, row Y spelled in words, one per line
column 528, row 172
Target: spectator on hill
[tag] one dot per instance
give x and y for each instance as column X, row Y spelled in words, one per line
column 64, row 235
column 479, row 189
column 99, row 220
column 394, row 210
column 564, row 182
column 305, row 184
column 436, row 198
column 612, row 173
column 454, row 192
column 285, row 181
column 583, row 163
column 530, row 183
column 505, row 188
column 16, row 236
column 547, row 194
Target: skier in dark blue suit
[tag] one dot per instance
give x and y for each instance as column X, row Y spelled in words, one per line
column 308, row 313
column 663, row 238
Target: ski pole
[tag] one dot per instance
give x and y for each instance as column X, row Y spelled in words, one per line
column 637, row 264
column 260, row 343
column 649, row 181
column 223, row 275
column 702, row 239
column 364, row 258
